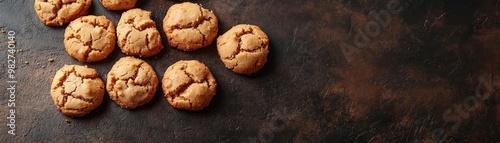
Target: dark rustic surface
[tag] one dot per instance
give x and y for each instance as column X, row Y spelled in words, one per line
column 415, row 81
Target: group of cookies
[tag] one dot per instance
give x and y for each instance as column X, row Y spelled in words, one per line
column 131, row 82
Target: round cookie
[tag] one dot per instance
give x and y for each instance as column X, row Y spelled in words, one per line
column 90, row 38
column 189, row 85
column 118, row 4
column 243, row 49
column 189, row 26
column 131, row 82
column 77, row 90
column 137, row 34
column 60, row 12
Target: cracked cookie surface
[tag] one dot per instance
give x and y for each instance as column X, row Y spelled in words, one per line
column 131, row 82
column 189, row 26
column 137, row 34
column 60, row 12
column 118, row 4
column 243, row 49
column 77, row 90
column 189, row 85
column 90, row 38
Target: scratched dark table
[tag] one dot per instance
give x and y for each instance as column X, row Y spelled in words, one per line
column 338, row 71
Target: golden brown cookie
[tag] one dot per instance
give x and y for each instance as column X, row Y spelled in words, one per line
column 137, row 34
column 59, row 12
column 243, row 49
column 189, row 85
column 90, row 38
column 77, row 90
column 118, row 4
column 131, row 82
column 189, row 26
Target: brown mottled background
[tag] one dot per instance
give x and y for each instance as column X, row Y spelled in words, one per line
column 414, row 78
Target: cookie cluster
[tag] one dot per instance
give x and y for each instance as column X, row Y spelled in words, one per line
column 60, row 12
column 132, row 82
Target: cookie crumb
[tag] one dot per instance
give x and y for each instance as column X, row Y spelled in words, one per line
column 67, row 121
column 26, row 62
column 51, row 79
column 43, row 66
column 51, row 60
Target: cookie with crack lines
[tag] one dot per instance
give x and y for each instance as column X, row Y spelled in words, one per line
column 90, row 38
column 189, row 85
column 77, row 90
column 243, row 49
column 137, row 34
column 189, row 26
column 60, row 12
column 118, row 4
column 131, row 82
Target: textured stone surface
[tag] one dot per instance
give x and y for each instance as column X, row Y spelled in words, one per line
column 428, row 59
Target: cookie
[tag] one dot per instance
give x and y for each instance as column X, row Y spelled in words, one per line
column 77, row 90
column 118, row 4
column 131, row 82
column 90, row 38
column 60, row 12
column 189, row 26
column 137, row 34
column 243, row 49
column 189, row 85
